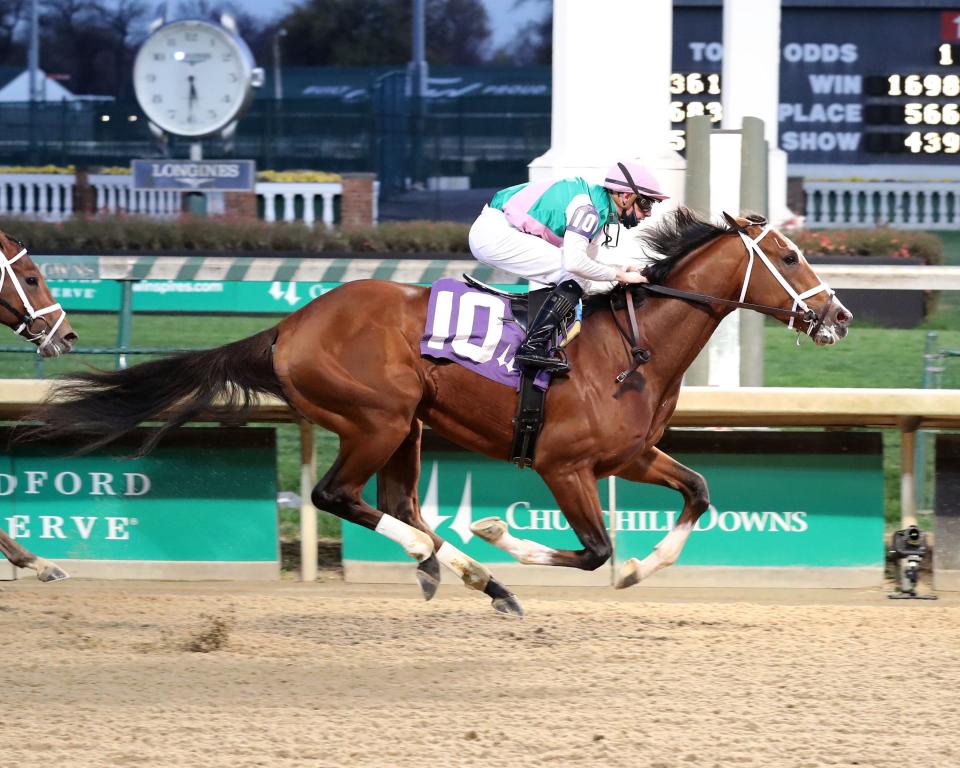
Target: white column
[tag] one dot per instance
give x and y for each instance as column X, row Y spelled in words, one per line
column 269, row 212
column 29, row 190
column 750, row 85
column 309, row 218
column 599, row 115
column 288, row 209
column 67, row 200
column 328, row 209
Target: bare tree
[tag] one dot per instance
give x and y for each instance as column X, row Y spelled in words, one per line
column 12, row 12
column 533, row 42
column 124, row 22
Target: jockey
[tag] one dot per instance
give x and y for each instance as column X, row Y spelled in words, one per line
column 549, row 232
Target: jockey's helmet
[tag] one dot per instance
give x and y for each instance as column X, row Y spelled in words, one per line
column 631, row 176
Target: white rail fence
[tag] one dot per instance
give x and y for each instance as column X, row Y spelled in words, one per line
column 50, row 197
column 898, row 204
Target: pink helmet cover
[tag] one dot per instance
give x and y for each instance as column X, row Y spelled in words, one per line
column 644, row 181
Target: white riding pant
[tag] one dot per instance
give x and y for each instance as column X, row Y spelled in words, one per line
column 498, row 244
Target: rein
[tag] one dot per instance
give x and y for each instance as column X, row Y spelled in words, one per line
column 813, row 319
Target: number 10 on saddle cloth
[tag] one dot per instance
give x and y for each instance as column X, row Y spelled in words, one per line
column 474, row 329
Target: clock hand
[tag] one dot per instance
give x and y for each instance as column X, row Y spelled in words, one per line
column 193, row 91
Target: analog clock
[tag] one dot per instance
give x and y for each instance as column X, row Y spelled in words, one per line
column 194, row 78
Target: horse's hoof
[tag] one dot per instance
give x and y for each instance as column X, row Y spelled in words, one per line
column 52, row 573
column 490, row 529
column 428, row 576
column 629, row 574
column 502, row 599
column 508, row 605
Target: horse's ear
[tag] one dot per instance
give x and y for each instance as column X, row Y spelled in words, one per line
column 731, row 221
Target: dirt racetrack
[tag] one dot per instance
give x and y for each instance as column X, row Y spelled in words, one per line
column 284, row 674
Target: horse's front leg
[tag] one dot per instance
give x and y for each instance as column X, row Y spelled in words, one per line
column 576, row 494
column 658, row 468
column 24, row 558
column 397, row 496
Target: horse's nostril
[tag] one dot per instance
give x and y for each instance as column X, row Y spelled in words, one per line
column 844, row 316
column 71, row 337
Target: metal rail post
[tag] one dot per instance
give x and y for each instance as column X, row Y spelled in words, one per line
column 753, row 197
column 697, row 193
column 125, row 324
column 908, row 491
column 308, row 513
column 930, row 380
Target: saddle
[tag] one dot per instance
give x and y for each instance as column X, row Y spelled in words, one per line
column 520, row 303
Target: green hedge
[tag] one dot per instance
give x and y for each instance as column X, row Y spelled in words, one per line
column 133, row 233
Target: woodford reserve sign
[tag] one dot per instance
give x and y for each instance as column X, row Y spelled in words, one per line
column 202, row 505
column 788, row 509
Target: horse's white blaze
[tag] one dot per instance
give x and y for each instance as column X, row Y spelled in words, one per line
column 494, row 531
column 415, row 542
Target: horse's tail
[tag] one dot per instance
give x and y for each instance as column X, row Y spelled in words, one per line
column 101, row 406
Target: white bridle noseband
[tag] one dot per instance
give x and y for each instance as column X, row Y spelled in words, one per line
column 29, row 314
column 753, row 247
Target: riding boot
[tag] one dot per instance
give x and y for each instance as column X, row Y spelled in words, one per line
column 534, row 351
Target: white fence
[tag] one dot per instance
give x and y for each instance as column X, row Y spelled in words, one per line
column 50, row 197
column 899, row 204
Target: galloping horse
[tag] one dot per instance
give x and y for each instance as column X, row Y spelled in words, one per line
column 350, row 361
column 27, row 307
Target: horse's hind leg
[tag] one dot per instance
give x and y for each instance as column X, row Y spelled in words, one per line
column 658, row 468
column 24, row 558
column 397, row 496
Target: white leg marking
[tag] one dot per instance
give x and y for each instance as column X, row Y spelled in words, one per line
column 666, row 552
column 494, row 531
column 415, row 542
column 469, row 570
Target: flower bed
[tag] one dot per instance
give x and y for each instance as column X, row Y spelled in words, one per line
column 876, row 242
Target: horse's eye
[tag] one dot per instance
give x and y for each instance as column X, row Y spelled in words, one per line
column 32, row 281
column 790, row 258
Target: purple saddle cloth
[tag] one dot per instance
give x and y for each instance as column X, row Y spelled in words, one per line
column 474, row 329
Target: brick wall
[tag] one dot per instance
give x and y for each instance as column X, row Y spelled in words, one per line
column 356, row 207
column 240, row 204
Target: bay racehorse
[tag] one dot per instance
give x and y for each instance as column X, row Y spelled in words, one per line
column 350, row 361
column 27, row 306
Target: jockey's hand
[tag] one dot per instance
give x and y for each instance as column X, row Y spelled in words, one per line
column 630, row 274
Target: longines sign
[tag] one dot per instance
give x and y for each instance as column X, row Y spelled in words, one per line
column 780, row 500
column 195, row 176
column 205, row 495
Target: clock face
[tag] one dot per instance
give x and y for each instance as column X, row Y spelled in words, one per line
column 192, row 77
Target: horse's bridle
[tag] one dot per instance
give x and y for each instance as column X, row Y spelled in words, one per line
column 813, row 319
column 29, row 315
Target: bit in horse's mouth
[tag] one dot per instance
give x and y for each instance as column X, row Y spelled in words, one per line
column 828, row 335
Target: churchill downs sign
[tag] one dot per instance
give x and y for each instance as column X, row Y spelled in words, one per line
column 202, row 504
column 783, row 502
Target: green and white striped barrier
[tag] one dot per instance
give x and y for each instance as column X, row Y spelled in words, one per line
column 264, row 269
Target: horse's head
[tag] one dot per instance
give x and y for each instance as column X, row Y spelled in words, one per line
column 26, row 304
column 778, row 275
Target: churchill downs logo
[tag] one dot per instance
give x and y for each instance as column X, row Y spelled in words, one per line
column 52, row 485
column 525, row 516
